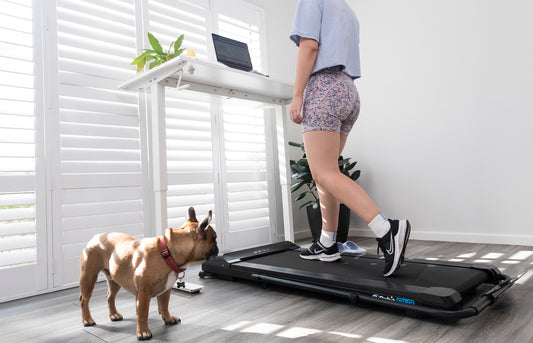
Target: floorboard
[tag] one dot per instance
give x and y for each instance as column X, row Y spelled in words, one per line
column 226, row 311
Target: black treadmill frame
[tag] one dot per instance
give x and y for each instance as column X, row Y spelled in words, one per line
column 240, row 265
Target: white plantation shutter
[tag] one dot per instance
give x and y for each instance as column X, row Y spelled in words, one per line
column 246, row 165
column 242, row 32
column 190, row 163
column 190, row 156
column 17, row 136
column 73, row 149
column 245, row 175
column 100, row 148
column 18, row 181
column 243, row 22
column 168, row 19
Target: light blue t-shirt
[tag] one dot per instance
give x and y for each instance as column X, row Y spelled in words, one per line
column 334, row 25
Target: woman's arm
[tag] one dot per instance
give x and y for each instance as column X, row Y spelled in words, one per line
column 305, row 61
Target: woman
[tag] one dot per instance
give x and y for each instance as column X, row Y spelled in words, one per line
column 326, row 103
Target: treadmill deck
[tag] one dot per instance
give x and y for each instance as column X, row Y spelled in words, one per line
column 446, row 286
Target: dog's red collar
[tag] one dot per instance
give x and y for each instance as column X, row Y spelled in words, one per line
column 166, row 255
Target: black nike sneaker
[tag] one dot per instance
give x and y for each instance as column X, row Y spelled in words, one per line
column 319, row 252
column 393, row 245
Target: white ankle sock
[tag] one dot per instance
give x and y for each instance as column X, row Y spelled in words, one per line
column 327, row 238
column 379, row 225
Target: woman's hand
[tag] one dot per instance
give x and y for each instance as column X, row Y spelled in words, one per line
column 305, row 61
column 295, row 111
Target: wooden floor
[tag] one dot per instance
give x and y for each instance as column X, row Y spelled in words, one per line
column 235, row 312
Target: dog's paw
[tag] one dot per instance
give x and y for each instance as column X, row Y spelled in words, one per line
column 172, row 321
column 88, row 322
column 144, row 335
column 115, row 317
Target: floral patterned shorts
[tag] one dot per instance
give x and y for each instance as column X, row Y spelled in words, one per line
column 331, row 102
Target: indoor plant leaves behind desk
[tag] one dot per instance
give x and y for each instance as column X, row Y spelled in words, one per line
column 304, row 184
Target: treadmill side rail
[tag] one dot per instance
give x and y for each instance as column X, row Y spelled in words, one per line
column 482, row 303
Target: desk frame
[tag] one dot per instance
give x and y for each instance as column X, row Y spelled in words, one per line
column 205, row 77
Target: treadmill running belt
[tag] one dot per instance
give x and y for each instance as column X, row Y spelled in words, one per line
column 352, row 269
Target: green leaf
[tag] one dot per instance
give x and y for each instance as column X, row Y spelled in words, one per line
column 179, row 52
column 300, row 175
column 170, row 47
column 154, row 43
column 344, row 161
column 355, row 175
column 297, row 185
column 140, row 62
column 350, row 166
column 155, row 64
column 301, row 196
column 308, row 203
column 139, row 58
column 177, row 45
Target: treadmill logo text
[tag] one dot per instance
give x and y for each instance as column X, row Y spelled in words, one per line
column 393, row 299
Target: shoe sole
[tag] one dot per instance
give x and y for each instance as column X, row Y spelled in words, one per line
column 404, row 230
column 322, row 257
column 405, row 242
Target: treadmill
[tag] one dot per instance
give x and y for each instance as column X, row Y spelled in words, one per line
column 420, row 287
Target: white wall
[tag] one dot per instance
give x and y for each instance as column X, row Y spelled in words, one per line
column 444, row 137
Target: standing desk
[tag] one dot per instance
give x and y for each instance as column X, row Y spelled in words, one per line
column 216, row 79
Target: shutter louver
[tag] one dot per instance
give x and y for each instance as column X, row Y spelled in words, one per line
column 101, row 175
column 246, row 165
column 188, row 114
column 17, row 136
column 243, row 32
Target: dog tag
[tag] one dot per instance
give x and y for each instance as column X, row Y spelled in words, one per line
column 188, row 287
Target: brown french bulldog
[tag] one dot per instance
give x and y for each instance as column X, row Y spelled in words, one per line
column 143, row 267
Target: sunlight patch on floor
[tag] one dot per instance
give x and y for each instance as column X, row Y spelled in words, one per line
column 492, row 255
column 296, row 332
column 383, row 340
column 510, row 262
column 467, row 255
column 264, row 328
column 521, row 255
column 526, row 277
column 343, row 334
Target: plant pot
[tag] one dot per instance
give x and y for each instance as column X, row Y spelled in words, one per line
column 314, row 217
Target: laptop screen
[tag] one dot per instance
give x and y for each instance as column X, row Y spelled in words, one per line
column 232, row 53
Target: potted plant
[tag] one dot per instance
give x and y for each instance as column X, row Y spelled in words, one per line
column 304, row 184
column 157, row 55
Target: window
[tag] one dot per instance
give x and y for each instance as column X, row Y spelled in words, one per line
column 18, row 224
column 75, row 145
column 100, row 172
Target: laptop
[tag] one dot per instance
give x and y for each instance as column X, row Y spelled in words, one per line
column 232, row 53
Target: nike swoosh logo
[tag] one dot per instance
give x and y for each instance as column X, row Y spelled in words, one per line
column 390, row 250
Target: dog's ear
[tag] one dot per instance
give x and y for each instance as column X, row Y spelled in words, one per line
column 191, row 215
column 205, row 223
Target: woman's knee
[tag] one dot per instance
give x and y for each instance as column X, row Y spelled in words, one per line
column 324, row 178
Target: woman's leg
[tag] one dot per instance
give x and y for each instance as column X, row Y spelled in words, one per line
column 322, row 149
column 329, row 204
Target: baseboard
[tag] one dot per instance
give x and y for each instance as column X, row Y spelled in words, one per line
column 467, row 237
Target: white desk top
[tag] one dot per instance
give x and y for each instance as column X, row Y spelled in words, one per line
column 211, row 75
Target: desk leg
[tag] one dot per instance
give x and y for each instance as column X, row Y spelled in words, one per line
column 159, row 158
column 285, row 171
